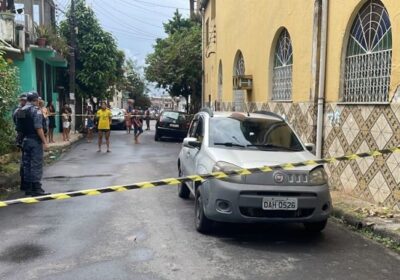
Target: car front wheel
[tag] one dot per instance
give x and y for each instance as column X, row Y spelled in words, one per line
column 203, row 224
column 183, row 190
column 316, row 226
column 157, row 136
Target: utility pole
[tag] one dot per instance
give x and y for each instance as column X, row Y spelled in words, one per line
column 72, row 63
column 191, row 9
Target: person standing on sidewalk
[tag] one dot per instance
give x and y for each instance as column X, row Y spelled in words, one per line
column 30, row 124
column 52, row 120
column 45, row 116
column 104, row 118
column 66, row 124
column 19, row 139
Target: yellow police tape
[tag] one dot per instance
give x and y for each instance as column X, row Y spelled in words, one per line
column 197, row 178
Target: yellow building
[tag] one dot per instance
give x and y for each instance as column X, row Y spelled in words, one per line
column 330, row 67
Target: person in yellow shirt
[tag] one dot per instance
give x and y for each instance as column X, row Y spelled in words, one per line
column 104, row 122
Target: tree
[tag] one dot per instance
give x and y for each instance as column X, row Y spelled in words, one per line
column 98, row 60
column 175, row 64
column 8, row 92
column 134, row 84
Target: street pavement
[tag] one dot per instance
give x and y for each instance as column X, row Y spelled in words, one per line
column 149, row 234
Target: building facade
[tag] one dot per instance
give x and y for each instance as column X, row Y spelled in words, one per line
column 40, row 67
column 289, row 56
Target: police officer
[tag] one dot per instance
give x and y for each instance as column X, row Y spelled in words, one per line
column 20, row 138
column 30, row 124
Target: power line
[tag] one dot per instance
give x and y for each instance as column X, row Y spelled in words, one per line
column 143, row 8
column 118, row 21
column 158, row 5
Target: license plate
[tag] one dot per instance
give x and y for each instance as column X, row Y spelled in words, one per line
column 174, row 125
column 279, row 203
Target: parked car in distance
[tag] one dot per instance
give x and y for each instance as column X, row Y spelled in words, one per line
column 118, row 118
column 172, row 124
column 225, row 142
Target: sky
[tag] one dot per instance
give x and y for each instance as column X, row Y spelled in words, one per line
column 135, row 24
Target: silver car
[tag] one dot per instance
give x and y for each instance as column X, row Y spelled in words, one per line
column 231, row 141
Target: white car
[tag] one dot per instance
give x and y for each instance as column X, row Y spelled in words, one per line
column 231, row 141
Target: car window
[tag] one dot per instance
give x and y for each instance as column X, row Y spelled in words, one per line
column 193, row 128
column 174, row 116
column 199, row 133
column 253, row 133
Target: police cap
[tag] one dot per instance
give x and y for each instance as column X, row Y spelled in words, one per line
column 32, row 96
column 22, row 96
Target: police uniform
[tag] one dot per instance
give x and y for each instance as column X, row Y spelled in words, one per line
column 18, row 140
column 30, row 118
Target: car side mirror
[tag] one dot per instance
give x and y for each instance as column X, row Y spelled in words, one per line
column 191, row 142
column 310, row 147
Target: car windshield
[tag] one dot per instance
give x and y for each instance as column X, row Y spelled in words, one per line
column 253, row 133
column 117, row 112
column 174, row 116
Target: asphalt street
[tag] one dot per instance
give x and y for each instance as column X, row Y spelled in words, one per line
column 149, row 234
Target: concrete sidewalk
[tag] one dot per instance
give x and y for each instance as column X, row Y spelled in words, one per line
column 362, row 215
column 59, row 143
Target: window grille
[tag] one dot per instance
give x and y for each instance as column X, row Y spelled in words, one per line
column 239, row 65
column 283, row 68
column 239, row 96
column 369, row 56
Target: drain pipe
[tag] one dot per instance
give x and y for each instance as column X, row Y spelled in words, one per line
column 322, row 77
column 202, row 57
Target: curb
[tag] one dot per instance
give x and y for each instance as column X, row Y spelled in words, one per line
column 360, row 224
column 10, row 183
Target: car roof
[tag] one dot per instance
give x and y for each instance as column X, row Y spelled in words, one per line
column 247, row 115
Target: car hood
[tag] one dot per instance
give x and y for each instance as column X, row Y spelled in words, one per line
column 258, row 158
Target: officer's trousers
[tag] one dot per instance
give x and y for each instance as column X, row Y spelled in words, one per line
column 32, row 160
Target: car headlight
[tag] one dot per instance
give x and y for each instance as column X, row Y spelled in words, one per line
column 222, row 166
column 318, row 176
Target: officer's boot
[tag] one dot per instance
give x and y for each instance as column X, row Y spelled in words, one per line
column 37, row 189
column 27, row 188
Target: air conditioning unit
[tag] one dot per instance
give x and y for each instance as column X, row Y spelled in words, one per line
column 243, row 82
column 7, row 27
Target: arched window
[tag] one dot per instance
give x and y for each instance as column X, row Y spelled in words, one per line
column 239, row 96
column 369, row 56
column 239, row 65
column 283, row 67
column 220, row 82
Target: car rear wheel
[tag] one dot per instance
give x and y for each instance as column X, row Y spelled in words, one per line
column 203, row 224
column 183, row 190
column 316, row 227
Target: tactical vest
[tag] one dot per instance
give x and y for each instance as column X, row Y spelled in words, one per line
column 25, row 122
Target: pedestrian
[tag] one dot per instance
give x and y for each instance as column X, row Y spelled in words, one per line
column 65, row 124
column 69, row 113
column 52, row 120
column 104, row 118
column 147, row 118
column 128, row 116
column 19, row 139
column 45, row 116
column 137, row 125
column 30, row 124
column 89, row 124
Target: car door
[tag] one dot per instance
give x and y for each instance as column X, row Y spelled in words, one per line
column 194, row 153
column 185, row 153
